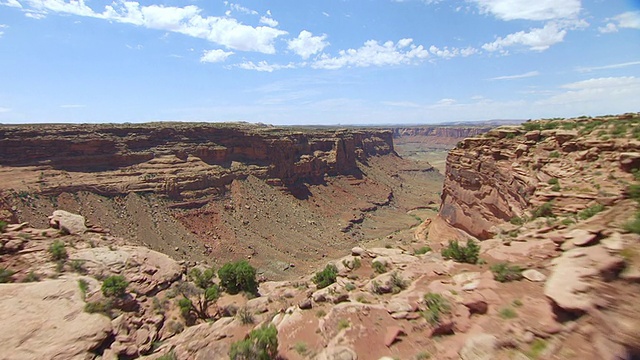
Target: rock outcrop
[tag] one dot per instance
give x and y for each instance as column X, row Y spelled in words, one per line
column 510, row 171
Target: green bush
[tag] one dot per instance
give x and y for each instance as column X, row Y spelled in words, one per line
column 58, row 251
column 31, row 277
column 508, row 313
column 261, row 344
column 326, row 277
column 504, row 272
column 590, row 211
column 436, row 306
column 3, row 226
column 516, row 220
column 245, row 316
column 554, row 154
column 555, row 187
column 202, row 279
column 422, row 250
column 530, row 126
column 633, row 191
column 633, row 225
column 238, row 276
column 552, row 181
column 5, row 275
column 99, row 307
column 544, row 210
column 114, row 286
column 465, row 254
column 397, row 283
column 379, row 267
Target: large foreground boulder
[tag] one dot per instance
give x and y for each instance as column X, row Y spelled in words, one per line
column 46, row 320
column 70, row 223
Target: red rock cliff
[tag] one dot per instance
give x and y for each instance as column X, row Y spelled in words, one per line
column 178, row 157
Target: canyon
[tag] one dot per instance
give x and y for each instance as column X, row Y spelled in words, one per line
column 550, row 204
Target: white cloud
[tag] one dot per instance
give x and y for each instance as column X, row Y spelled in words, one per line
column 453, row 52
column 537, row 39
column 445, row 102
column 629, row 20
column 214, row 56
column 2, row 26
column 608, row 94
column 606, row 67
column 240, row 8
column 186, row 20
column 268, row 21
column 519, row 76
column 306, row 44
column 263, row 66
column 374, row 54
column 530, row 9
column 11, row 3
column 35, row 15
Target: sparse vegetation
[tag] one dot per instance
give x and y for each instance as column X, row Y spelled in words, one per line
column 349, row 287
column 326, row 277
column 202, row 279
column 31, row 277
column 260, row 344
column 379, row 267
column 531, row 125
column 590, row 211
column 465, row 254
column 436, row 306
column 321, row 313
column 238, row 276
column 423, row 355
column 343, row 324
column 544, row 210
column 505, row 272
column 516, row 220
column 517, row 303
column 508, row 313
column 58, row 251
column 168, row 356
column 99, row 307
column 553, row 181
column 422, row 250
column 78, row 266
column 397, row 283
column 245, row 316
column 301, row 348
column 554, row 154
column 3, row 226
column 6, row 275
column 204, row 299
column 537, row 347
column 114, row 286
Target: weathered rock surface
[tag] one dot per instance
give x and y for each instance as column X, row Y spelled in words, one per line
column 70, row 223
column 46, row 320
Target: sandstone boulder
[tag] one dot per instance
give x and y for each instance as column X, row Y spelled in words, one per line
column 70, row 223
column 479, row 347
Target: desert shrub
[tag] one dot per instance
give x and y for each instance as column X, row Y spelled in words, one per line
column 84, row 287
column 301, row 348
column 379, row 267
column 245, row 316
column 553, row 181
column 567, row 221
column 376, row 288
column 554, row 154
column 261, row 344
column 465, row 254
column 550, row 125
column 530, row 126
column 326, row 277
column 3, row 226
column 168, row 356
column 99, row 307
column 436, row 306
column 505, row 272
column 114, row 286
column 202, row 279
column 204, row 299
column 556, row 187
column 31, row 277
column 6, row 275
column 78, row 266
column 422, row 250
column 508, row 313
column 544, row 210
column 633, row 225
column 57, row 251
column 590, row 211
column 349, row 287
column 516, row 220
column 537, row 348
column 343, row 324
column 397, row 283
column 633, row 192
column 238, row 276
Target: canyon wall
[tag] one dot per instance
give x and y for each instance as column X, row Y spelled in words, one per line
column 439, row 137
column 512, row 170
column 182, row 159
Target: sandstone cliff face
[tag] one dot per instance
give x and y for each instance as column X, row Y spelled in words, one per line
column 508, row 171
column 182, row 159
column 460, row 132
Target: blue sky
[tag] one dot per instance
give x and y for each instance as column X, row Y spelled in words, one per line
column 317, row 62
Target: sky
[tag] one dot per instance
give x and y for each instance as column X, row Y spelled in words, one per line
column 324, row 62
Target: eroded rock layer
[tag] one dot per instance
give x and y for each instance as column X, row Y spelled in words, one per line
column 181, row 160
